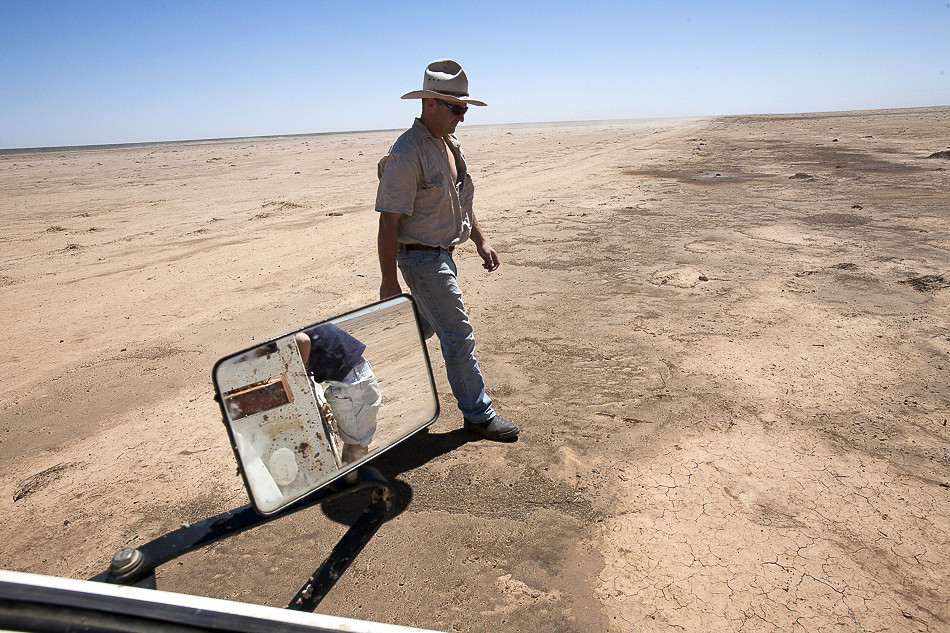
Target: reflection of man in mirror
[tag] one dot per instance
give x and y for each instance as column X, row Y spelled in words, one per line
column 335, row 359
column 424, row 201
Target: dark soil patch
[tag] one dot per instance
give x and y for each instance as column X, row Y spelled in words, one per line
column 928, row 283
column 837, row 219
column 40, row 480
column 708, row 177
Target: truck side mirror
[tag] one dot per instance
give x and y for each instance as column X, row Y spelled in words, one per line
column 309, row 407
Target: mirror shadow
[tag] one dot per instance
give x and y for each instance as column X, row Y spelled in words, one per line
column 308, row 407
column 416, row 451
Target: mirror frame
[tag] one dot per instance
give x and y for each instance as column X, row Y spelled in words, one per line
column 346, row 468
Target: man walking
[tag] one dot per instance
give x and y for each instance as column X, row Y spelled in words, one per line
column 425, row 201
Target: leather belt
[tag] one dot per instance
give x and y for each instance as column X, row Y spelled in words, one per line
column 424, row 247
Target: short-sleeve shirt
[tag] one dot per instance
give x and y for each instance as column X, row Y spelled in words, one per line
column 333, row 352
column 415, row 180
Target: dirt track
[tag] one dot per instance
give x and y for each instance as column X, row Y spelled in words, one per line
column 727, row 342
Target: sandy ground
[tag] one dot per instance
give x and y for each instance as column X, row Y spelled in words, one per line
column 726, row 340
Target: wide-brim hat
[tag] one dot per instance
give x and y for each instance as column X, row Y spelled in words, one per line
column 444, row 79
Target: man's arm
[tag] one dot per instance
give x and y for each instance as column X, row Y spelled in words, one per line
column 485, row 251
column 387, row 243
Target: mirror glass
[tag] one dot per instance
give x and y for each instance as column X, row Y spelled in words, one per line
column 310, row 406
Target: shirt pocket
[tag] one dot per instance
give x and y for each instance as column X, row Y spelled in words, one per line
column 430, row 191
column 432, row 181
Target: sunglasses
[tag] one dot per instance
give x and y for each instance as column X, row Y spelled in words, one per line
column 457, row 110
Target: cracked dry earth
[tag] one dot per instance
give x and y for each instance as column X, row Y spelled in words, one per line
column 726, row 341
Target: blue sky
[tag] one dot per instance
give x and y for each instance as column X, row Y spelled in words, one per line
column 96, row 72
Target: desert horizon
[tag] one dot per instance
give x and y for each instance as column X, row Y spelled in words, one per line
column 265, row 137
column 726, row 341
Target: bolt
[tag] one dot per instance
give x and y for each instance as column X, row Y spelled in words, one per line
column 124, row 561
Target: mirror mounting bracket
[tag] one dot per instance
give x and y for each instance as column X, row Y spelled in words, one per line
column 137, row 566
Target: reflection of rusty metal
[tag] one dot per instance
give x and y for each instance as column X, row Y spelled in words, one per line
column 328, row 414
column 330, row 429
column 258, row 397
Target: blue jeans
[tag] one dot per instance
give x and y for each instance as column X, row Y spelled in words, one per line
column 430, row 276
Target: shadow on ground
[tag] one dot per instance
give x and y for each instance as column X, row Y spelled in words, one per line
column 414, row 452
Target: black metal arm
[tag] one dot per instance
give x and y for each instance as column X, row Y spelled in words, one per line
column 137, row 566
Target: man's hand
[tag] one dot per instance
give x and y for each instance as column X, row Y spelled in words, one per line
column 489, row 257
column 389, row 289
